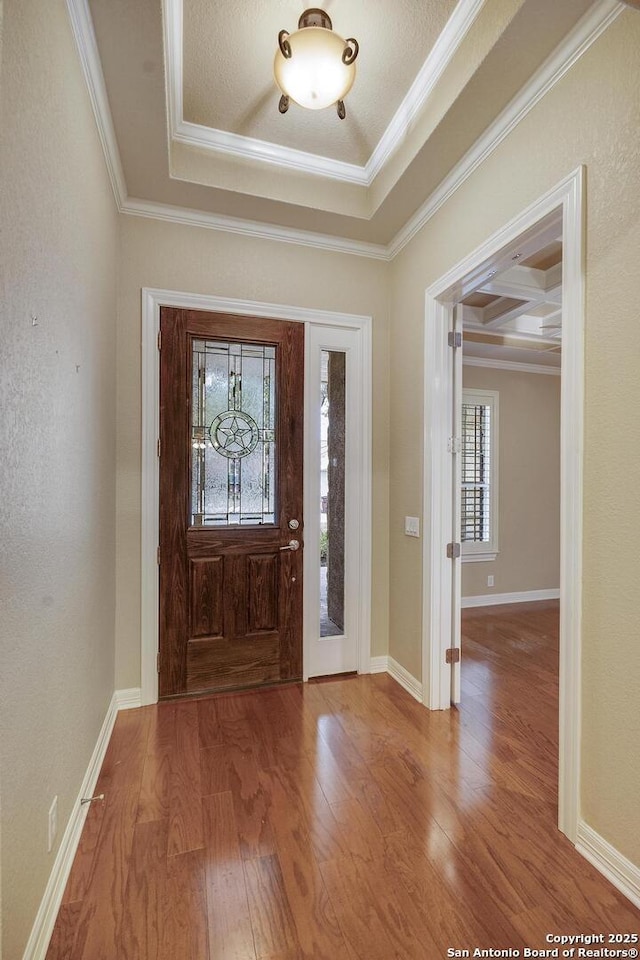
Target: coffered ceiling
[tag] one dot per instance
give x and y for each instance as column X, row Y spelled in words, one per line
column 516, row 314
column 187, row 106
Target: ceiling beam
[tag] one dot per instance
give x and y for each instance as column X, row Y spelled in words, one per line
column 519, row 283
column 552, row 317
column 526, row 283
column 493, row 318
column 472, row 316
column 506, row 338
column 545, row 232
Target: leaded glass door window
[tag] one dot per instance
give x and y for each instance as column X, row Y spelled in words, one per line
column 233, row 433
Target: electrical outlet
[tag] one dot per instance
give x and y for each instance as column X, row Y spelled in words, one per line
column 53, row 823
column 412, row 526
column 490, row 580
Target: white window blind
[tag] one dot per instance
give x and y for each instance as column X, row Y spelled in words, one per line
column 479, row 474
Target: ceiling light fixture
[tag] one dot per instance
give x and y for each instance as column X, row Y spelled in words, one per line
column 314, row 66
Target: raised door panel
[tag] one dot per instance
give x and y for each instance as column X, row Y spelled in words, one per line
column 234, row 663
column 262, row 578
column 206, row 590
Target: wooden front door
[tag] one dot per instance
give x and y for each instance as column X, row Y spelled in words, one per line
column 231, row 458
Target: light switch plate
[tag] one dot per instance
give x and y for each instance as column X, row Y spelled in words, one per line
column 412, row 526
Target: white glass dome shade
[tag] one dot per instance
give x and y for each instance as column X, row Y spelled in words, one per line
column 315, row 75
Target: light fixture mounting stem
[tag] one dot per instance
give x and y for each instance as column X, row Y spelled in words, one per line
column 315, row 17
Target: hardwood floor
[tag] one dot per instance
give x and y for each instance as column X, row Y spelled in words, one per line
column 340, row 820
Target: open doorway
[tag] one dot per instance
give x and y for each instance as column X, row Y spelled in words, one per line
column 509, row 483
column 506, row 468
column 509, row 520
column 557, row 215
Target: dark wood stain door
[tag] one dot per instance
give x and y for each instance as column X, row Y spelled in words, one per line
column 231, row 460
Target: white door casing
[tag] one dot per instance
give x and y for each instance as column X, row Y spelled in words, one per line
column 354, row 330
column 560, row 209
column 456, row 476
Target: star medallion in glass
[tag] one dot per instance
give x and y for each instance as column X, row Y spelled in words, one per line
column 233, row 433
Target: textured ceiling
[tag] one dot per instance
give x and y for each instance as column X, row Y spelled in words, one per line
column 228, row 70
column 226, row 85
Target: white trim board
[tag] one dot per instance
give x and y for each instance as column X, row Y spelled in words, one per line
column 407, row 681
column 622, row 873
column 152, row 300
column 253, row 228
column 563, row 204
column 586, row 32
column 379, row 664
column 247, row 148
column 231, row 144
column 128, row 699
column 85, row 37
column 440, row 56
column 42, row 930
column 514, row 365
column 526, row 596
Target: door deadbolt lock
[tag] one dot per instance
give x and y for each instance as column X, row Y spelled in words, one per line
column 294, row 524
column 292, row 545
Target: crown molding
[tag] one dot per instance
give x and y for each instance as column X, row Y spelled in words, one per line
column 223, row 141
column 232, row 144
column 247, row 148
column 443, row 51
column 578, row 41
column 173, row 40
column 586, row 32
column 84, row 35
column 253, row 228
column 510, row 365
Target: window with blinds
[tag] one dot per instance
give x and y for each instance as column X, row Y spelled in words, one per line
column 478, row 518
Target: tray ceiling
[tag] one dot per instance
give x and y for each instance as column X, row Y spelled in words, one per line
column 190, row 106
column 234, row 90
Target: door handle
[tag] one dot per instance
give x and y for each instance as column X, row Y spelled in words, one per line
column 292, row 545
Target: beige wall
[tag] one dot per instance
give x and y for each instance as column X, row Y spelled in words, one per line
column 57, row 435
column 58, row 430
column 591, row 116
column 528, row 484
column 195, row 260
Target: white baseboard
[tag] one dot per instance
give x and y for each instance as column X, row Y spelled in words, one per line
column 42, row 929
column 623, row 874
column 527, row 596
column 379, row 664
column 128, row 699
column 399, row 674
column 405, row 679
